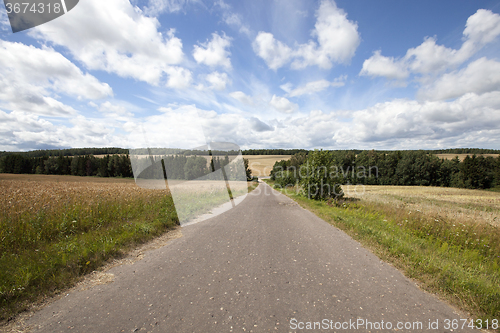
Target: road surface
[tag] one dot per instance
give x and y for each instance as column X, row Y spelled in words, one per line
column 267, row 265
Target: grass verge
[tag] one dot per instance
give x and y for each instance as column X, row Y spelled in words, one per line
column 458, row 261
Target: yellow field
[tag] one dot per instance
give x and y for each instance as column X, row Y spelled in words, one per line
column 21, row 194
column 261, row 165
column 452, row 204
column 461, row 157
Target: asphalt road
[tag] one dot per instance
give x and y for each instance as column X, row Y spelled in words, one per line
column 265, row 266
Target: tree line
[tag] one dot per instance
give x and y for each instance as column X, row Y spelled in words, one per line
column 175, row 166
column 200, row 152
column 391, row 168
column 87, row 165
column 181, row 167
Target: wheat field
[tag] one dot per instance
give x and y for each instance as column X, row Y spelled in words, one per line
column 461, row 157
column 261, row 165
column 454, row 204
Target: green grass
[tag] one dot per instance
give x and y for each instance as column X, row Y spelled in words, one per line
column 459, row 262
column 494, row 189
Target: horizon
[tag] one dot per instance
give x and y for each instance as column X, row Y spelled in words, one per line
column 333, row 75
column 248, row 149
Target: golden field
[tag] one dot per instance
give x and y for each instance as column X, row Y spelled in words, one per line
column 261, row 165
column 55, row 229
column 461, row 157
column 452, row 204
column 20, row 194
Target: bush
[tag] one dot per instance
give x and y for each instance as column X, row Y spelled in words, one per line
column 320, row 177
column 285, row 178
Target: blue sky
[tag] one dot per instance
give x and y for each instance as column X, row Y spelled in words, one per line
column 261, row 74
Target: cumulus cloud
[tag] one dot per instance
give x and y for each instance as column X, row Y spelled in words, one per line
column 430, row 121
column 31, row 78
column 47, row 69
column 481, row 28
column 282, row 104
column 116, row 37
column 214, row 53
column 242, row 97
column 479, row 77
column 218, row 81
column 27, row 131
column 397, row 124
column 178, row 77
column 257, row 125
column 378, row 65
column 337, row 39
column 275, row 53
column 314, row 87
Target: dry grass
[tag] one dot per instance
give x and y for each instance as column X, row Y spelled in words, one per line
column 55, row 229
column 21, row 194
column 453, row 204
column 461, row 157
column 261, row 165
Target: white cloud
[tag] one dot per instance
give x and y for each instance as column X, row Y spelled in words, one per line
column 27, row 131
column 118, row 110
column 47, row 69
column 242, row 97
column 218, row 80
column 479, row 77
column 157, row 7
column 399, row 124
column 231, row 18
column 378, row 65
column 337, row 40
column 177, row 126
column 178, row 77
column 482, row 28
column 282, row 104
column 275, row 53
column 214, row 53
column 414, row 123
column 257, row 125
column 116, row 37
column 31, row 78
column 429, row 57
column 314, row 87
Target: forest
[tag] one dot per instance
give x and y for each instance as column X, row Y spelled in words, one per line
column 176, row 166
column 393, row 168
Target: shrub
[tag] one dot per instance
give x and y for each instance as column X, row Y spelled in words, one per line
column 320, row 178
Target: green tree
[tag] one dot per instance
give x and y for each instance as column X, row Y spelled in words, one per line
column 320, row 178
column 195, row 167
column 248, row 171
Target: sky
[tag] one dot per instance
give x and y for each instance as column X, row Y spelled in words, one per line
column 261, row 74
